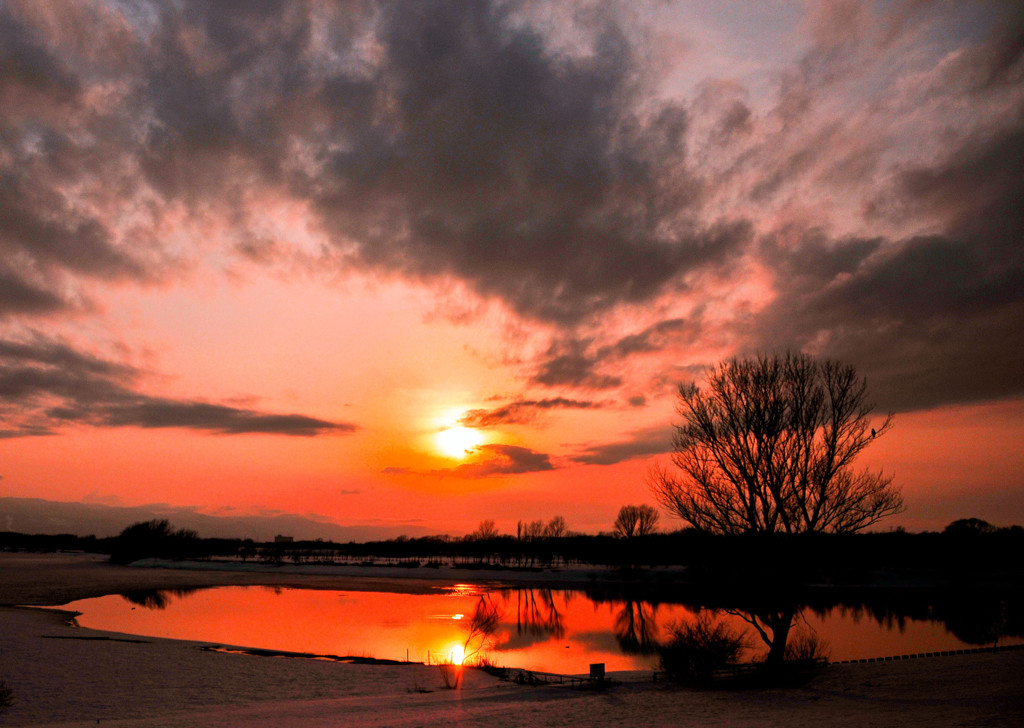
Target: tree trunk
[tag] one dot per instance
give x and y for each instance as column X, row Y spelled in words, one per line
column 780, row 623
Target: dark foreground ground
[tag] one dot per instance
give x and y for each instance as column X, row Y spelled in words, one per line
column 62, row 675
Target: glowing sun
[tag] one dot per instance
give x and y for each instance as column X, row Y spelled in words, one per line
column 457, row 654
column 457, row 442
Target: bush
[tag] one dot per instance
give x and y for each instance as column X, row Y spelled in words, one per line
column 806, row 647
column 696, row 649
column 153, row 539
column 6, row 696
column 451, row 674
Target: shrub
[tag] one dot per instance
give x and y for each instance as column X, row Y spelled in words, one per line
column 153, row 539
column 696, row 649
column 6, row 696
column 451, row 674
column 806, row 647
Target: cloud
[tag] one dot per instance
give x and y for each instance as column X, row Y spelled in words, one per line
column 449, row 139
column 397, row 471
column 46, row 383
column 577, row 362
column 498, row 459
column 19, row 296
column 651, row 441
column 920, row 313
column 538, row 162
column 161, row 413
column 525, row 171
column 568, row 363
column 521, row 411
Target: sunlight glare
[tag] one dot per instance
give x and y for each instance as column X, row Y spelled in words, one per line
column 457, row 654
column 457, row 442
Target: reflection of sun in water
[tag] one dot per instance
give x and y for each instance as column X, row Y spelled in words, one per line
column 457, row 442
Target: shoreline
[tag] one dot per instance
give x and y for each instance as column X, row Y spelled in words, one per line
column 59, row 679
column 49, row 579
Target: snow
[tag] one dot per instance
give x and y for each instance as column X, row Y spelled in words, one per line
column 60, row 679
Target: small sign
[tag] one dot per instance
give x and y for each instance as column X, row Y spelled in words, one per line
column 597, row 671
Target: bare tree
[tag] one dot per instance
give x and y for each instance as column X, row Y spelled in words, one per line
column 634, row 521
column 530, row 531
column 768, row 446
column 556, row 527
column 485, row 531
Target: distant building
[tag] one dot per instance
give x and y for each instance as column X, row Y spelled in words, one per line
column 283, row 539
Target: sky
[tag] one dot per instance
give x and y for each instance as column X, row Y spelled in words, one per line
column 429, row 263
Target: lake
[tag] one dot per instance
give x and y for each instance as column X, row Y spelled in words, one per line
column 537, row 629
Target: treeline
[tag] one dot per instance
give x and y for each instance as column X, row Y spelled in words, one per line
column 966, row 550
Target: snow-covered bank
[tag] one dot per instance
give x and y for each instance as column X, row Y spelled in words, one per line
column 59, row 679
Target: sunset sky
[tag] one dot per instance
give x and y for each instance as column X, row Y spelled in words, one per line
column 264, row 257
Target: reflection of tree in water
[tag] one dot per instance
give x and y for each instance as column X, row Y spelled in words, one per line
column 773, row 625
column 482, row 627
column 155, row 598
column 636, row 628
column 773, row 620
column 537, row 614
column 981, row 620
column 974, row 616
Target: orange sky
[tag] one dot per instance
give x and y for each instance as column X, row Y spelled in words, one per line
column 257, row 261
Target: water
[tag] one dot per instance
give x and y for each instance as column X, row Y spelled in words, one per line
column 537, row 629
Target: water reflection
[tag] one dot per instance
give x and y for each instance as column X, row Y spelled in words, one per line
column 636, row 628
column 155, row 598
column 773, row 624
column 537, row 614
column 482, row 629
column 559, row 631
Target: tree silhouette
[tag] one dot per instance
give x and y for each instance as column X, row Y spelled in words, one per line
column 768, row 447
column 485, row 531
column 636, row 628
column 968, row 527
column 555, row 528
column 634, row 521
column 537, row 613
column 155, row 538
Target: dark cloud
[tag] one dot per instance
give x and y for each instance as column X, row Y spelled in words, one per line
column 469, row 140
column 930, row 319
column 498, row 459
column 652, row 339
column 465, row 144
column 36, row 220
column 25, row 431
column 158, row 413
column 18, row 296
column 45, row 384
column 525, row 171
column 578, row 362
column 996, row 63
column 396, row 471
column 30, row 75
column 521, row 411
column 652, row 441
column 568, row 363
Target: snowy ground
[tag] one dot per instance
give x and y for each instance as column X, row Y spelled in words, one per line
column 58, row 678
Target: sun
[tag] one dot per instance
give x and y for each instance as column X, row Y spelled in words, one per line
column 457, row 654
column 457, row 442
